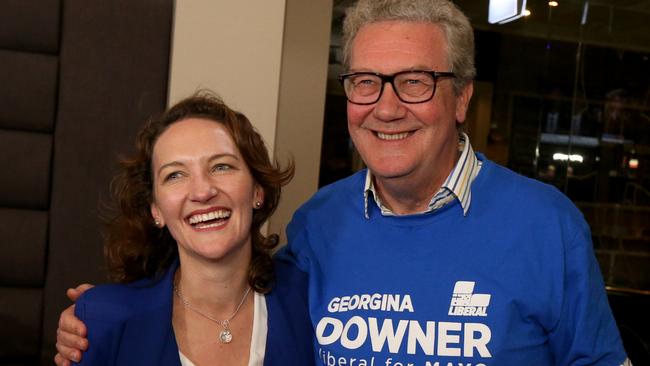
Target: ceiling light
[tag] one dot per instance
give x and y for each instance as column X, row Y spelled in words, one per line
column 504, row 11
column 527, row 12
column 553, row 3
column 564, row 157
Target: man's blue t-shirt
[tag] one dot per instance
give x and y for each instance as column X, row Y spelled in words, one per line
column 514, row 282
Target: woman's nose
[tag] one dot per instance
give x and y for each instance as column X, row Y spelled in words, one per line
column 202, row 189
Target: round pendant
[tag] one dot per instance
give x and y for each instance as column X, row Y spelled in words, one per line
column 225, row 336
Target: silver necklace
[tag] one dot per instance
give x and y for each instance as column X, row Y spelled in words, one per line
column 225, row 336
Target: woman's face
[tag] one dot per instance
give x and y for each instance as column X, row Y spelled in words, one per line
column 203, row 190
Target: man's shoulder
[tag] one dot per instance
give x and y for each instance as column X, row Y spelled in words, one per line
column 352, row 184
column 348, row 190
column 508, row 187
column 342, row 200
column 502, row 178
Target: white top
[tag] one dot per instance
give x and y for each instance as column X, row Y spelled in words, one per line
column 258, row 339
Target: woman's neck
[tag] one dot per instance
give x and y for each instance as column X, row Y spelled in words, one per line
column 216, row 287
column 209, row 293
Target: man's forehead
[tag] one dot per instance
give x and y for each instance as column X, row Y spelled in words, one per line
column 393, row 46
column 414, row 67
column 401, row 27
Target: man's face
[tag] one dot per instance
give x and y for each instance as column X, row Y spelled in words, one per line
column 413, row 143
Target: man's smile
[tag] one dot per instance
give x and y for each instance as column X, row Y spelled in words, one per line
column 393, row 136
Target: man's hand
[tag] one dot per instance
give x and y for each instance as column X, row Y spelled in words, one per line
column 71, row 335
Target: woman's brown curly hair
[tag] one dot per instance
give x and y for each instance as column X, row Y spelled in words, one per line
column 135, row 248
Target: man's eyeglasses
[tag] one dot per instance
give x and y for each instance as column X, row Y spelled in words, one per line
column 410, row 86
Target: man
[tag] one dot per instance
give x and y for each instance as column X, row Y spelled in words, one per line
column 435, row 255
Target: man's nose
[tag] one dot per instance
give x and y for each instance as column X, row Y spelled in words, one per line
column 389, row 107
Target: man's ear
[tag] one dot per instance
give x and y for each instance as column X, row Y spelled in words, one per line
column 462, row 102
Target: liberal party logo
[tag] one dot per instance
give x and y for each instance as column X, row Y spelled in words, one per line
column 466, row 303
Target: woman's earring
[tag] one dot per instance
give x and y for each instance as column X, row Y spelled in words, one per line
column 157, row 223
column 258, row 204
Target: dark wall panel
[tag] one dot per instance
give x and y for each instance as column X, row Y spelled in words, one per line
column 25, row 165
column 22, row 254
column 30, row 25
column 113, row 76
column 29, row 90
column 20, row 332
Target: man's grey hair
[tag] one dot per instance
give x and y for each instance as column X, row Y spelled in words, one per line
column 443, row 13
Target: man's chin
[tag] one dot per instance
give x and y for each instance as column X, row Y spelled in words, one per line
column 390, row 172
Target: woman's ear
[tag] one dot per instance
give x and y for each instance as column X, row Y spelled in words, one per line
column 157, row 216
column 258, row 197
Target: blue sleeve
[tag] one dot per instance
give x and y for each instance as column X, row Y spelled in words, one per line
column 586, row 333
column 104, row 326
column 298, row 248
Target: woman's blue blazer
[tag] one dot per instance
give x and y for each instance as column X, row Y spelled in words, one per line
column 131, row 324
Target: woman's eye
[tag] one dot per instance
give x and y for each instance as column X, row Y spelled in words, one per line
column 221, row 167
column 173, row 176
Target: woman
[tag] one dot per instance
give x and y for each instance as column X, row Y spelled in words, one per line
column 199, row 286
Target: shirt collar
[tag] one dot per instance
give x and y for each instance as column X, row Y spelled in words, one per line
column 456, row 186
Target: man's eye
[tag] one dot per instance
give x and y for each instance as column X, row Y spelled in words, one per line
column 364, row 82
column 413, row 81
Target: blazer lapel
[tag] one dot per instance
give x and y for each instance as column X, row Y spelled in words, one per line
column 152, row 330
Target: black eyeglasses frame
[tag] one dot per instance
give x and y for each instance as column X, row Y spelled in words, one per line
column 391, row 79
